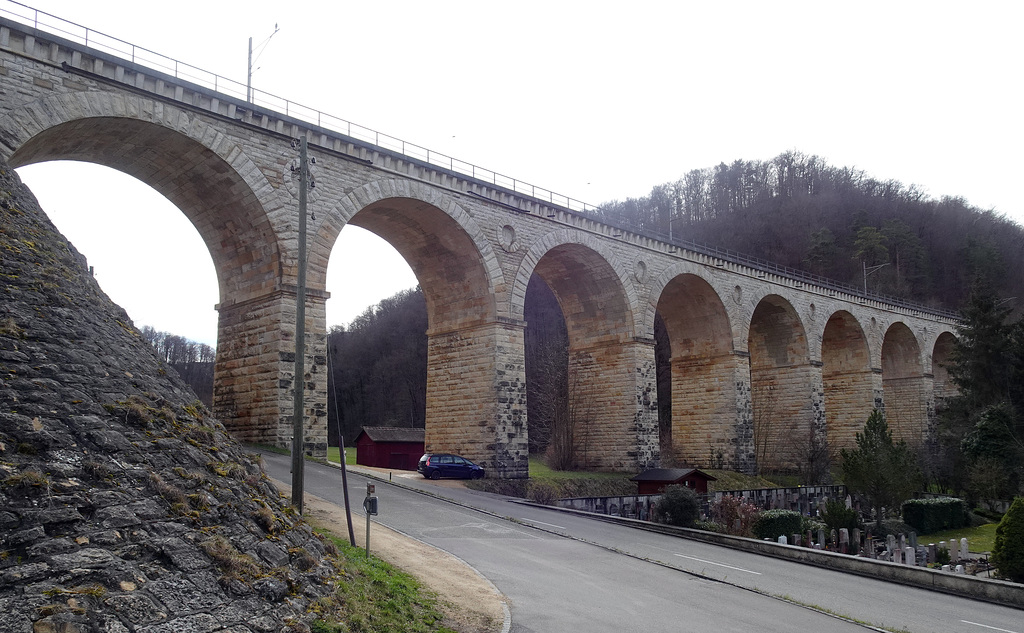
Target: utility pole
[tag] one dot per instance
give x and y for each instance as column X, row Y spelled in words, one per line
column 299, row 382
column 868, row 270
column 248, row 76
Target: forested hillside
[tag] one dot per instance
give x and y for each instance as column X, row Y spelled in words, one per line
column 193, row 361
column 799, row 211
column 378, row 367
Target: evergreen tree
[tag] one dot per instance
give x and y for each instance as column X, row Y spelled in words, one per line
column 884, row 471
column 1008, row 550
column 982, row 431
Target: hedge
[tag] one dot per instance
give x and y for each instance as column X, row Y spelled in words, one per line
column 775, row 523
column 935, row 515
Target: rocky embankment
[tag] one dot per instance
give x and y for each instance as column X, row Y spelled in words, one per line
column 124, row 507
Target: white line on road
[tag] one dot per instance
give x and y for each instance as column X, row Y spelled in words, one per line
column 756, row 573
column 543, row 523
column 985, row 626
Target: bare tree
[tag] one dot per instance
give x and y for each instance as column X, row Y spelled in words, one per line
column 766, row 400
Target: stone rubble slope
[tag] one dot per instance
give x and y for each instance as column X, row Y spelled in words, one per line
column 124, row 507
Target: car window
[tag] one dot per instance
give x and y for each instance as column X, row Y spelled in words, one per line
column 445, row 459
column 458, row 461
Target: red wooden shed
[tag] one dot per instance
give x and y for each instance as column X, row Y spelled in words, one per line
column 389, row 447
column 654, row 481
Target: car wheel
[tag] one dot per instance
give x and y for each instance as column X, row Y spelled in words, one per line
column 476, row 474
column 435, row 474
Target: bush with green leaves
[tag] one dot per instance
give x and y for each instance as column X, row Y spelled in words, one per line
column 837, row 516
column 1008, row 550
column 928, row 516
column 678, row 506
column 772, row 524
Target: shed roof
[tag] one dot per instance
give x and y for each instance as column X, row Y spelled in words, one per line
column 670, row 474
column 385, row 434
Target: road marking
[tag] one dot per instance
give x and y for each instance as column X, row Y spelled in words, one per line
column 543, row 523
column 756, row 573
column 985, row 626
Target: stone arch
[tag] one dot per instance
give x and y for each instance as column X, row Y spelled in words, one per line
column 704, row 429
column 439, row 240
column 234, row 207
column 904, row 395
column 846, row 379
column 476, row 385
column 612, row 387
column 202, row 172
column 782, row 382
column 604, row 256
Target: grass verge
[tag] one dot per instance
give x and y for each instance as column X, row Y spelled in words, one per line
column 980, row 539
column 334, row 454
column 375, row 597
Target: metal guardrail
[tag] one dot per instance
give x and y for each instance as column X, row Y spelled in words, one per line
column 46, row 22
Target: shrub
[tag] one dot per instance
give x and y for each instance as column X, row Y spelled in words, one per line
column 735, row 514
column 772, row 524
column 837, row 516
column 1008, row 550
column 928, row 516
column 678, row 505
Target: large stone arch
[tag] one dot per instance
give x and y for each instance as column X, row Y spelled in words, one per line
column 612, row 384
column 904, row 389
column 201, row 171
column 236, row 210
column 476, row 384
column 707, row 428
column 403, row 212
column 783, row 385
column 847, row 379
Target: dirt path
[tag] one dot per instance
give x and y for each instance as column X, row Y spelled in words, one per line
column 470, row 603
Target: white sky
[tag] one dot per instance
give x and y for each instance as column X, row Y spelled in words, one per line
column 594, row 100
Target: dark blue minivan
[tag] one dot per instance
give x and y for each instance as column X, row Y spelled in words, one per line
column 437, row 465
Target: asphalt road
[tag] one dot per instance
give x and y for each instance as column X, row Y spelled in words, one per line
column 562, row 572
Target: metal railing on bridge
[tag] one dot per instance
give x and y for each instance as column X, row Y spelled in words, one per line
column 46, row 22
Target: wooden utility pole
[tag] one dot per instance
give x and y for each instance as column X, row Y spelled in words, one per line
column 299, row 382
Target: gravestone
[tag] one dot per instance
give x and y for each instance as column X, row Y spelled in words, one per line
column 960, row 569
column 844, row 540
column 796, row 539
column 821, row 538
column 963, row 549
column 932, row 552
column 855, row 540
column 909, row 557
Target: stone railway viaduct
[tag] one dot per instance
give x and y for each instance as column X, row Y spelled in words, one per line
column 764, row 365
